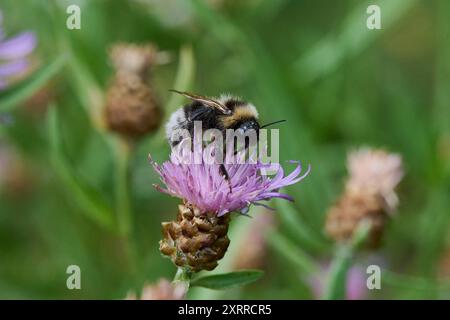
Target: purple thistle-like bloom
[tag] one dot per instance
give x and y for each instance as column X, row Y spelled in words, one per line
column 13, row 54
column 204, row 186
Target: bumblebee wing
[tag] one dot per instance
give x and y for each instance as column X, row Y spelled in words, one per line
column 198, row 113
column 207, row 101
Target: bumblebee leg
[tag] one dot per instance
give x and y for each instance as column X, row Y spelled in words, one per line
column 224, row 172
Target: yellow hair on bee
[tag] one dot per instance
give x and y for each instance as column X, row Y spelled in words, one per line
column 240, row 112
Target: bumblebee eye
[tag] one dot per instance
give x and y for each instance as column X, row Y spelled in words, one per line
column 247, row 125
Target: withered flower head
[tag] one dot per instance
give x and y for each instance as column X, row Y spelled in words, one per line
column 197, row 239
column 132, row 58
column 375, row 171
column 131, row 107
column 369, row 195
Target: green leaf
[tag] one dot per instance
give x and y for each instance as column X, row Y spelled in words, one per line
column 183, row 79
column 328, row 54
column 87, row 198
column 12, row 96
column 228, row 280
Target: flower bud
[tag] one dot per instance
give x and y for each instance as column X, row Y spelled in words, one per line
column 133, row 59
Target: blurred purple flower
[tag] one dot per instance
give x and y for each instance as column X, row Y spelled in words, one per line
column 356, row 287
column 13, row 54
column 204, row 186
column 356, row 284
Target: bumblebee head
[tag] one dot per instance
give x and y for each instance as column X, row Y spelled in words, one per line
column 243, row 116
column 248, row 125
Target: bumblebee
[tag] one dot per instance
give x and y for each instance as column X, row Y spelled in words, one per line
column 226, row 112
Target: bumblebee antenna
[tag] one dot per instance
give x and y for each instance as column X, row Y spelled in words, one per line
column 208, row 101
column 272, row 123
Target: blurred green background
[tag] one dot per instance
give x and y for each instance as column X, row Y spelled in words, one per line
column 314, row 63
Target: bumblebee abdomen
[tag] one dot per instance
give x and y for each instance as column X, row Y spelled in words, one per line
column 177, row 121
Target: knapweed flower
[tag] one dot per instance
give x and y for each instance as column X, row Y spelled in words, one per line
column 369, row 194
column 203, row 185
column 13, row 54
column 198, row 237
column 131, row 107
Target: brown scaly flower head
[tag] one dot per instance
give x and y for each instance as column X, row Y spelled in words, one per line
column 162, row 290
column 369, row 195
column 131, row 107
column 197, row 239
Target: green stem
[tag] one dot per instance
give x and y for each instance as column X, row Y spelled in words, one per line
column 183, row 277
column 123, row 149
column 124, row 218
column 336, row 287
column 337, row 281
